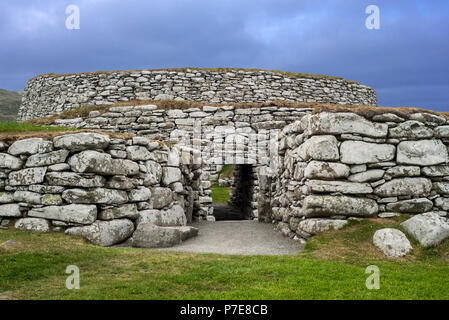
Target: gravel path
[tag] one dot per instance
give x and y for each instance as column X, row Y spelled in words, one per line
column 242, row 237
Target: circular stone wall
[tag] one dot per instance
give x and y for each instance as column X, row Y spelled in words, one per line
column 51, row 94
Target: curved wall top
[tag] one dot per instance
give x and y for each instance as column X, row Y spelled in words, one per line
column 51, row 94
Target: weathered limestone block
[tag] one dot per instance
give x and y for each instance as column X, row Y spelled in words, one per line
column 428, row 118
column 411, row 206
column 315, row 226
column 10, row 210
column 171, row 217
column 27, row 197
column 359, row 152
column 7, row 161
column 170, row 175
column 325, row 170
column 320, row 186
column 47, row 159
column 139, row 194
column 33, row 224
column 367, row 176
column 27, row 176
column 442, row 203
column 340, row 123
column 102, row 163
column 71, row 179
column 436, row 171
column 404, row 171
column 441, row 187
column 405, row 187
column 104, row 233
column 322, row 148
column 97, row 195
column 128, row 210
column 162, row 197
column 81, row 141
column 411, row 130
column 326, row 206
column 422, row 152
column 154, row 173
column 147, row 235
column 139, row 153
column 122, row 183
column 74, row 213
column 428, row 228
column 392, row 242
column 51, row 200
column 442, row 132
column 6, row 197
column 30, row 146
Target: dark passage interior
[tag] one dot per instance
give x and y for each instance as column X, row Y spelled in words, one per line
column 239, row 207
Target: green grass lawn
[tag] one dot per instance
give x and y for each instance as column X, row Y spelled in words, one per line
column 331, row 267
column 220, row 194
column 12, row 126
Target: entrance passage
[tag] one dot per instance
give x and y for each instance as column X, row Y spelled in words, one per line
column 241, row 200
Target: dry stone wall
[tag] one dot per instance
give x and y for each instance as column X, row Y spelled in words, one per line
column 334, row 166
column 51, row 94
column 101, row 188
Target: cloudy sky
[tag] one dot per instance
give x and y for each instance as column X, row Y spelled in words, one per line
column 406, row 61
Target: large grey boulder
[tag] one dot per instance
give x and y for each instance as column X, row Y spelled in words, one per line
column 326, row 170
column 33, row 224
column 104, row 233
column 326, row 206
column 97, row 195
column 128, row 210
column 102, row 163
column 30, row 146
column 411, row 130
column 428, row 228
column 47, row 159
column 81, row 141
column 323, row 148
column 171, row 217
column 340, row 123
column 27, row 176
column 73, row 213
column 147, row 235
column 359, row 152
column 72, row 179
column 392, row 242
column 405, row 187
column 8, row 161
column 162, row 197
column 422, row 152
column 320, row 186
column 10, row 210
column 315, row 226
column 411, row 206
